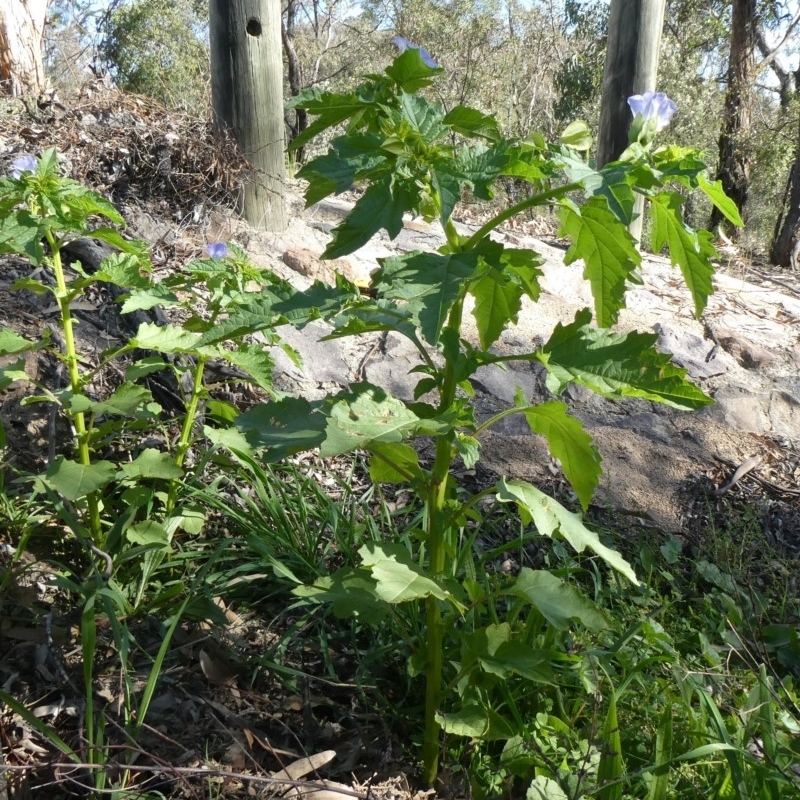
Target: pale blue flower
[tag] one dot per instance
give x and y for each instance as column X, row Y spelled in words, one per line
column 653, row 106
column 217, row 250
column 26, row 163
column 402, row 44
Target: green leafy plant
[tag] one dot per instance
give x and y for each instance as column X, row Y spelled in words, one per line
column 414, row 158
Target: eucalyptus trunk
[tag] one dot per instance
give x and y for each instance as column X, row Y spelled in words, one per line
column 734, row 158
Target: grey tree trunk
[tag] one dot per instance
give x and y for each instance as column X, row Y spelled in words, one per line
column 634, row 39
column 247, row 96
column 734, row 160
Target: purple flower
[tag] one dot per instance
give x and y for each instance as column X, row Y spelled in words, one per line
column 217, row 250
column 653, row 107
column 26, row 163
column 402, row 44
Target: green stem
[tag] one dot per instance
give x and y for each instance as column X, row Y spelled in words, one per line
column 537, row 200
column 63, row 298
column 437, row 527
column 185, row 439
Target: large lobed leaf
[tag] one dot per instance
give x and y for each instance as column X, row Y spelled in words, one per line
column 608, row 251
column 381, row 207
column 690, row 250
column 616, row 365
column 429, row 283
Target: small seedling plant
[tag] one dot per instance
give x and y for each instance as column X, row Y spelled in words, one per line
column 413, row 158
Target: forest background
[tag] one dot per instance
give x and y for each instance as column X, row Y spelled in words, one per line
column 536, row 65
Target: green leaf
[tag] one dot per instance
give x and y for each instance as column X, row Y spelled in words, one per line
column 165, row 338
column 570, row 444
column 369, row 415
column 616, row 365
column 254, row 360
column 498, row 653
column 21, row 232
column 550, row 517
column 425, row 117
column 393, row 462
column 350, row 593
column 471, row 720
column 610, row 769
column 471, row 122
column 11, row 342
column 498, row 300
column 73, row 480
column 148, row 533
column 608, row 251
column 410, row 72
column 469, row 448
column 330, row 108
column 144, row 367
column 143, row 300
column 716, row 194
column 126, row 401
column 124, row 269
column 152, row 463
column 429, row 282
column 369, row 315
column 284, row 427
column 397, row 578
column 659, row 788
column 544, row 788
column 348, row 160
column 577, row 136
column 690, row 250
column 282, row 306
column 12, row 373
column 558, row 602
column 381, row 207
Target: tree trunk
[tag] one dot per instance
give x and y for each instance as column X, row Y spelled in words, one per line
column 734, row 161
column 247, row 96
column 299, row 119
column 21, row 32
column 634, row 38
column 785, row 250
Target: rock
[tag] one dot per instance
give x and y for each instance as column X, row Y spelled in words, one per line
column 696, row 355
column 312, row 266
column 749, row 354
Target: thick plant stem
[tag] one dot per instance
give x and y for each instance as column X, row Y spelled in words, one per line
column 434, row 639
column 63, row 298
column 437, row 532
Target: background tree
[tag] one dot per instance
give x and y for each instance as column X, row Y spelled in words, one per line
column 785, row 245
column 247, row 94
column 21, row 33
column 734, row 158
column 160, row 50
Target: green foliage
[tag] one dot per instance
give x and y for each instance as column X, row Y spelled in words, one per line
column 160, row 50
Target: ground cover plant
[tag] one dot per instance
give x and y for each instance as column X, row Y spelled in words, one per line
column 572, row 676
